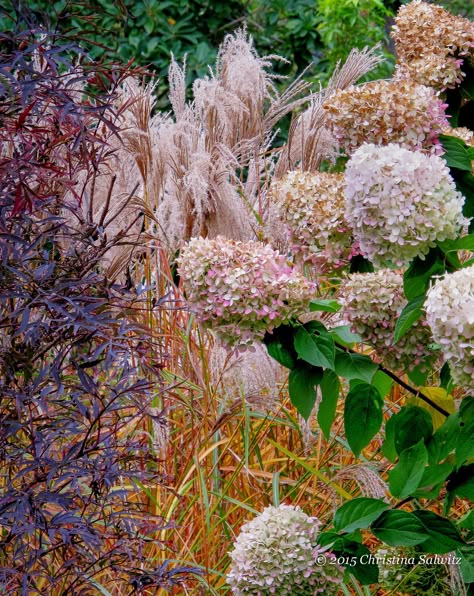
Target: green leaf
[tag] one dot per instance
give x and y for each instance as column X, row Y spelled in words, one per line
column 399, row 528
column 302, row 385
column 343, row 335
column 416, row 279
column 461, row 483
column 418, row 375
column 358, row 513
column 315, row 348
column 443, row 534
column 330, row 387
column 467, row 564
column 382, row 382
column 465, row 442
column 355, row 366
column 408, row 317
column 464, row 243
column 388, row 447
column 456, row 153
column 412, row 424
column 280, row 345
column 325, row 305
column 432, row 480
column 444, row 441
column 363, row 569
column 362, row 416
column 405, row 478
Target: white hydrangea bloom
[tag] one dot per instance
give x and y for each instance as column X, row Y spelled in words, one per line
column 277, row 553
column 399, row 203
column 450, row 313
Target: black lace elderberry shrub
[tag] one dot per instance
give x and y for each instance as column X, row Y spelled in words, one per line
column 76, row 378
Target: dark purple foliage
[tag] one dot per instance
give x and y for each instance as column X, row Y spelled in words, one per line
column 76, row 383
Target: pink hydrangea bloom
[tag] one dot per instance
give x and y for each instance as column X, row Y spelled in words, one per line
column 241, row 289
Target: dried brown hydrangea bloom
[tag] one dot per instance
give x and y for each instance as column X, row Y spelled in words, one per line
column 383, row 112
column 432, row 44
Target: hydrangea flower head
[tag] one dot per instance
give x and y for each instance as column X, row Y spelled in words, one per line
column 450, row 313
column 432, row 44
column 399, row 203
column 241, row 289
column 312, row 206
column 277, row 553
column 383, row 112
column 372, row 303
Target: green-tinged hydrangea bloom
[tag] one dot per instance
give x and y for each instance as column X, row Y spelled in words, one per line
column 372, row 304
column 399, row 203
column 278, row 553
column 241, row 289
column 450, row 313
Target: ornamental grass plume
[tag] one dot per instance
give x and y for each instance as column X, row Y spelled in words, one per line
column 432, row 45
column 278, row 553
column 241, row 289
column 383, row 112
column 450, row 314
column 312, row 206
column 372, row 303
column 400, row 203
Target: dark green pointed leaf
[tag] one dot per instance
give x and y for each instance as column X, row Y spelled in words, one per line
column 356, row 554
column 465, row 442
column 344, row 336
column 315, row 348
column 412, row 424
column 325, row 305
column 388, row 447
column 362, row 416
column 280, row 345
column 399, row 528
column 358, row 513
column 382, row 382
column 461, row 483
column 443, row 534
column 405, row 478
column 330, row 387
column 444, row 440
column 355, row 366
column 456, row 153
column 302, row 385
column 416, row 279
column 408, row 317
column 464, row 243
column 432, row 480
column 467, row 564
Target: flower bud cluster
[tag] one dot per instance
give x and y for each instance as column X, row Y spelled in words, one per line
column 241, row 289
